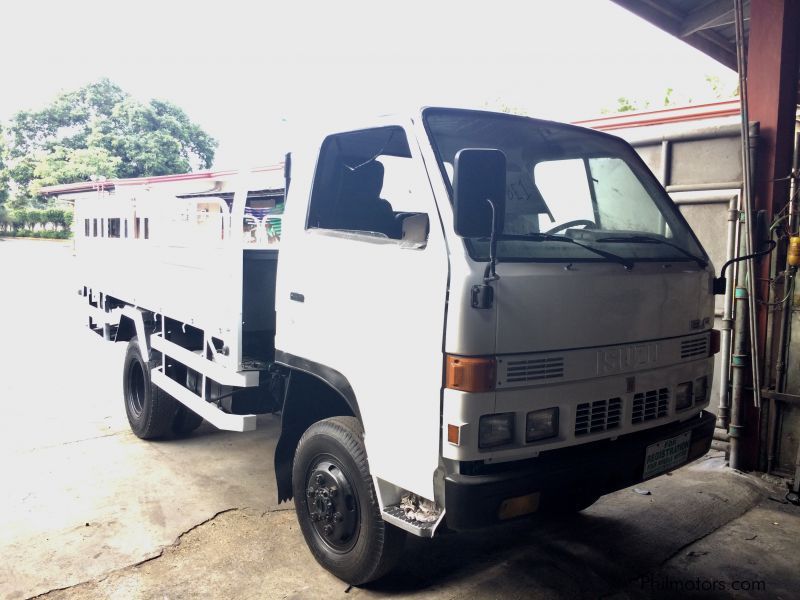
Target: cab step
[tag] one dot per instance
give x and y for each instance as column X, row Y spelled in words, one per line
column 396, row 516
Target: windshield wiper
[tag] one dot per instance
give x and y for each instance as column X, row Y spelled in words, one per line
column 645, row 239
column 535, row 236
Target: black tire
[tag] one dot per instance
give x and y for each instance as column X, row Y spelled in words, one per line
column 151, row 411
column 185, row 421
column 360, row 546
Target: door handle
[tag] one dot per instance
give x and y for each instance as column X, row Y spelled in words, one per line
column 297, row 297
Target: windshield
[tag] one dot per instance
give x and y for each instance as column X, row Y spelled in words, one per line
column 568, row 182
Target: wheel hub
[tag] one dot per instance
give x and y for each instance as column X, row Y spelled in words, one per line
column 332, row 506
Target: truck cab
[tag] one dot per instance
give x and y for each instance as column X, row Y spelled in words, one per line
column 513, row 310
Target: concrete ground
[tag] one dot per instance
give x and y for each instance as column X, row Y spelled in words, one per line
column 89, row 511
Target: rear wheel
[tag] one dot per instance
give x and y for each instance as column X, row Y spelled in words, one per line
column 186, row 421
column 151, row 411
column 336, row 504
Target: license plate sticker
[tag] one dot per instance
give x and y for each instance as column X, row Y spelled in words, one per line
column 664, row 455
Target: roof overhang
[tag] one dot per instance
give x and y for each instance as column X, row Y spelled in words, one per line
column 708, row 26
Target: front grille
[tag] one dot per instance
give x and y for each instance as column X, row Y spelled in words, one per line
column 600, row 415
column 523, row 371
column 694, row 347
column 650, row 405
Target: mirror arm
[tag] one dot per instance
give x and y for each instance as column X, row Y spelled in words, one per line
column 491, row 273
column 720, row 282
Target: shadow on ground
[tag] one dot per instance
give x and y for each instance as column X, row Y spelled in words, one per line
column 246, row 553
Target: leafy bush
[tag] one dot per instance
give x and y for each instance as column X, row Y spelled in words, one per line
column 14, row 222
column 53, row 234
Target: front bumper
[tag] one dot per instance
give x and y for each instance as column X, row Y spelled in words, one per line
column 474, row 500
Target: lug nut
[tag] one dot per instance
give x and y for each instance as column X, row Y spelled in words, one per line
column 320, row 479
column 333, row 491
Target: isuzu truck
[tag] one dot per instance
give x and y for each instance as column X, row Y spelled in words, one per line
column 461, row 317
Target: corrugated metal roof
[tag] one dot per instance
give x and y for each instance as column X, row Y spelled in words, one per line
column 708, row 26
column 110, row 184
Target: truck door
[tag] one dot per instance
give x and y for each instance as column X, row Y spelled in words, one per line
column 366, row 290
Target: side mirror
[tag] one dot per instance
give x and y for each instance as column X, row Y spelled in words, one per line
column 480, row 175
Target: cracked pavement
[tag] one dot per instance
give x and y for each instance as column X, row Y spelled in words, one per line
column 605, row 552
column 90, row 511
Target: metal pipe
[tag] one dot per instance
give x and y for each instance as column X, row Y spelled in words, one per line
column 721, row 436
column 748, row 195
column 665, row 175
column 738, row 373
column 666, row 166
column 723, row 414
column 793, row 181
column 699, row 197
column 786, row 312
column 697, row 187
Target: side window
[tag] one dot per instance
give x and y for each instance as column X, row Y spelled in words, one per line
column 366, row 182
column 86, row 230
column 113, row 228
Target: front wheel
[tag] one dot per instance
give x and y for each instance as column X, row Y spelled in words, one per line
column 336, row 504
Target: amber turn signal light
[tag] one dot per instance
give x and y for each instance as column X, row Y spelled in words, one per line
column 469, row 374
column 454, row 434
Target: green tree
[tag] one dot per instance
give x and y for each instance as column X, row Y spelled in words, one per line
column 3, row 170
column 152, row 139
column 668, row 96
column 101, row 130
column 64, row 165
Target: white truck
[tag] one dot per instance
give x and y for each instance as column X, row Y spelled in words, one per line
column 461, row 317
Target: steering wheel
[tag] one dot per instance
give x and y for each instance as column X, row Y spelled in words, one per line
column 585, row 222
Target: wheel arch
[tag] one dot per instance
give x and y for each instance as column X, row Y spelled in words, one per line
column 126, row 329
column 313, row 392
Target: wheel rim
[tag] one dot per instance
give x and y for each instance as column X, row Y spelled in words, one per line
column 136, row 388
column 332, row 505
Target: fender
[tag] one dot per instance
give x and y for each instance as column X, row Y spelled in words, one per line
column 136, row 318
column 331, row 377
column 313, row 392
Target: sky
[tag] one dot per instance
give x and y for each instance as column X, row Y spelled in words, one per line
column 251, row 73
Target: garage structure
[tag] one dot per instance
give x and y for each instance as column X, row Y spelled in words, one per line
column 768, row 433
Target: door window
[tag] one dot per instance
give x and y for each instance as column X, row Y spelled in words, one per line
column 365, row 184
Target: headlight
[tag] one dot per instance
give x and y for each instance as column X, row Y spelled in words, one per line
column 683, row 396
column 700, row 389
column 496, row 430
column 541, row 424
